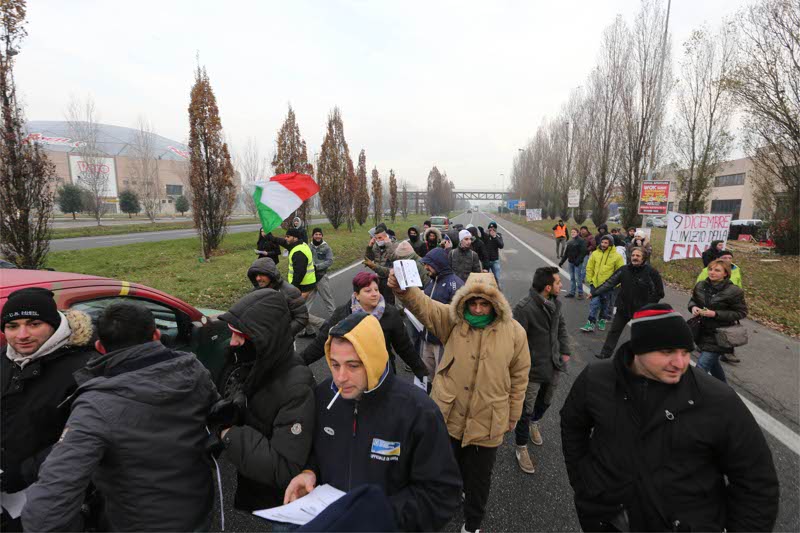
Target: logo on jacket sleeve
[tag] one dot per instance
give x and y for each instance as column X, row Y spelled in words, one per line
column 383, row 450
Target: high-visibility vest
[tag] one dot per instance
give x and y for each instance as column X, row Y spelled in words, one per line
column 311, row 276
column 561, row 231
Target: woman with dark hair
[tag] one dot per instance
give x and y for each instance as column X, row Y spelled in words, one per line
column 713, row 252
column 267, row 248
column 719, row 303
column 367, row 297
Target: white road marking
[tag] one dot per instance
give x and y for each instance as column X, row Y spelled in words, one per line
column 342, row 270
column 128, row 239
column 770, row 424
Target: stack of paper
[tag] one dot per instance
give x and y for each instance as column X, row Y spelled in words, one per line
column 405, row 270
column 305, row 509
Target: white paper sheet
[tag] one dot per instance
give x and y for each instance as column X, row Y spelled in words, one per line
column 305, row 509
column 405, row 270
column 13, row 503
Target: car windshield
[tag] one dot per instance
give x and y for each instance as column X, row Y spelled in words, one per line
column 438, row 221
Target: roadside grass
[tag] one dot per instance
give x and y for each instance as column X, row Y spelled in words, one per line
column 96, row 231
column 771, row 282
column 175, row 266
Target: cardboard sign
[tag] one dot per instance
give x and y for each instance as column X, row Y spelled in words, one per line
column 573, row 198
column 533, row 214
column 689, row 236
column 654, row 197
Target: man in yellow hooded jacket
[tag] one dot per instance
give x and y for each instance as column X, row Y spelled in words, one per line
column 603, row 262
column 481, row 380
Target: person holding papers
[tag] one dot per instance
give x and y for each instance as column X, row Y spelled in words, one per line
column 372, row 428
column 367, row 297
column 481, row 380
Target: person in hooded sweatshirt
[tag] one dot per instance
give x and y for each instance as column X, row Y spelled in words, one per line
column 433, row 238
column 263, row 273
column 265, row 247
column 479, row 247
column 297, row 224
column 374, row 428
column 442, row 286
column 416, row 241
column 463, row 259
column 266, row 427
column 137, row 430
column 44, row 347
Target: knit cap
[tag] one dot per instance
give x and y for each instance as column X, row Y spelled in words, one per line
column 659, row 327
column 34, row 303
column 463, row 234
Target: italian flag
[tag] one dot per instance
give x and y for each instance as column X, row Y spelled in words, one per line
column 279, row 197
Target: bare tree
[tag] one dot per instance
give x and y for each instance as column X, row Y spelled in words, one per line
column 144, row 169
column 252, row 167
column 26, row 174
column 646, row 81
column 377, row 195
column 766, row 83
column 404, row 199
column 704, row 105
column 582, row 119
column 211, row 175
column 83, row 125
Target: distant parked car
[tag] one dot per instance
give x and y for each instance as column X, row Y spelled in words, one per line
column 441, row 223
column 183, row 327
column 615, row 218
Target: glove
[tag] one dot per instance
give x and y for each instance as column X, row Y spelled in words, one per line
column 370, row 263
column 228, row 412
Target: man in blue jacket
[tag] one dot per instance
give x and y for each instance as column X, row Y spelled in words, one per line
column 374, row 428
column 442, row 286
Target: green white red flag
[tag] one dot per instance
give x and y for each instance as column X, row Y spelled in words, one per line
column 280, row 196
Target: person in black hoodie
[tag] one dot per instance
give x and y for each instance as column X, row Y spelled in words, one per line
column 268, row 248
column 263, row 273
column 640, row 284
column 602, row 230
column 479, row 247
column 373, row 428
column 367, row 297
column 575, row 252
column 713, row 252
column 652, row 444
column 494, row 243
column 418, row 244
column 267, row 427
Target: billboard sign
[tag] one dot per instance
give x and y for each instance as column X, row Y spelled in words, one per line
column 533, row 214
column 689, row 236
column 521, row 205
column 654, row 197
column 512, row 204
column 83, row 172
column 574, row 198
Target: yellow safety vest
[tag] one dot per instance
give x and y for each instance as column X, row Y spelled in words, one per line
column 311, row 276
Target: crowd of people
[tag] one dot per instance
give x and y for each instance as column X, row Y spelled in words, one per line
column 105, row 428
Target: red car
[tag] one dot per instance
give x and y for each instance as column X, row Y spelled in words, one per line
column 182, row 326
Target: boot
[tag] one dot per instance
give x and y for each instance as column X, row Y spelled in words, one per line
column 536, row 435
column 524, row 459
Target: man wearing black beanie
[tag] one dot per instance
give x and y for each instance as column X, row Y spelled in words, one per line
column 652, row 444
column 301, row 260
column 44, row 347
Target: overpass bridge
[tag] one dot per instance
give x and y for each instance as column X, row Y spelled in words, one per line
column 417, row 200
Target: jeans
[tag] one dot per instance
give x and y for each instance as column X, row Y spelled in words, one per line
column 561, row 245
column 600, row 307
column 538, row 397
column 576, row 277
column 709, row 361
column 495, row 267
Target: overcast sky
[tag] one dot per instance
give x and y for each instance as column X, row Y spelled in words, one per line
column 460, row 85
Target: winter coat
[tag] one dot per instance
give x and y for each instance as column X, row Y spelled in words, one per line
column 419, row 244
column 393, row 436
column 443, row 287
column 265, row 244
column 301, row 228
column 690, row 436
column 274, row 441
column 575, row 252
column 727, row 301
column 323, row 258
column 736, row 275
column 640, row 243
column 479, row 247
column 493, row 245
column 137, row 430
column 428, row 246
column 711, row 253
column 602, row 264
column 383, row 271
column 297, row 305
column 478, row 397
column 32, row 416
column 394, row 333
column 640, row 286
column 381, row 255
column 591, row 244
column 464, row 262
column 547, row 335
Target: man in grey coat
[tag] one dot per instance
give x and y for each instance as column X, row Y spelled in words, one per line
column 540, row 314
column 323, row 259
column 137, row 430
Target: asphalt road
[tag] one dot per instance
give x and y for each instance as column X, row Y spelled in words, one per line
column 542, row 501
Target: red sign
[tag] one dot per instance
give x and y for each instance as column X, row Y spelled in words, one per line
column 654, row 198
column 745, row 238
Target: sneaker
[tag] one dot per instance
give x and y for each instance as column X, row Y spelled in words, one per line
column 588, row 327
column 729, row 358
column 465, row 530
column 524, row 459
column 536, row 435
column 569, row 295
column 601, row 324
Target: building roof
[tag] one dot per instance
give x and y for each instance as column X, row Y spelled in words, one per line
column 114, row 141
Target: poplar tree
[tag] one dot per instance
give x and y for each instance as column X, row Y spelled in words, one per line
column 392, row 195
column 361, row 208
column 292, row 156
column 377, row 195
column 333, row 171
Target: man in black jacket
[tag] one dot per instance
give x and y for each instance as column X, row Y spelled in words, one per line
column 44, row 347
column 264, row 273
column 652, row 444
column 640, row 285
column 373, row 428
column 267, row 427
column 479, row 247
column 301, row 263
column 494, row 243
column 575, row 252
column 418, row 244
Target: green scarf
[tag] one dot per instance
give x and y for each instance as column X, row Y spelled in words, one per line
column 480, row 321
